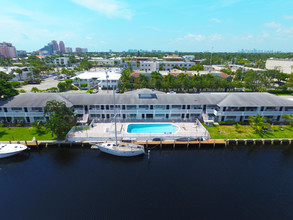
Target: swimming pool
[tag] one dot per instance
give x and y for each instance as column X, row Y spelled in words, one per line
column 152, row 128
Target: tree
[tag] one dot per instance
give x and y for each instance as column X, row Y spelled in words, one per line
column 61, row 118
column 6, row 90
column 19, row 71
column 289, row 118
column 258, row 124
column 5, row 76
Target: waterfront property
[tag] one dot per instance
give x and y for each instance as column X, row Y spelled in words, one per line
column 147, row 105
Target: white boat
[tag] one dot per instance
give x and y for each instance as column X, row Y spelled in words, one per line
column 120, row 148
column 7, row 150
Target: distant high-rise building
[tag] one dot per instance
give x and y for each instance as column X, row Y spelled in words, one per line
column 81, row 50
column 84, row 50
column 7, row 50
column 61, row 47
column 55, row 45
column 68, row 50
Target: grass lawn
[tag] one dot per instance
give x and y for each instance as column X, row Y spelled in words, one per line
column 246, row 132
column 23, row 134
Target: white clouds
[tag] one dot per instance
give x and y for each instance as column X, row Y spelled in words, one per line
column 216, row 20
column 216, row 37
column 288, row 17
column 103, row 42
column 111, row 8
column 191, row 37
column 273, row 25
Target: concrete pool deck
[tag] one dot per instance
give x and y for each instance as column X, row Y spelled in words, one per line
column 105, row 131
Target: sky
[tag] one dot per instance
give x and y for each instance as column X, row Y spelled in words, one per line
column 168, row 25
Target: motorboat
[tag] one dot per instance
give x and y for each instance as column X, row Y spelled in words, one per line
column 121, row 149
column 7, row 150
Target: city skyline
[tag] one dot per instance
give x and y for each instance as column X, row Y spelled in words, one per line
column 191, row 26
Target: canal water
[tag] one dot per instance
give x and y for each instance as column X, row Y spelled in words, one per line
column 251, row 183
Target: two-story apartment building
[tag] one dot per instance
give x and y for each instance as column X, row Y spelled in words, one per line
column 149, row 105
column 104, row 79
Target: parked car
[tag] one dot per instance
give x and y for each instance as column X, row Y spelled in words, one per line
column 117, row 91
column 95, row 91
column 158, row 139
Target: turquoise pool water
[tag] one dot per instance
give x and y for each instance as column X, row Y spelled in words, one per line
column 152, row 128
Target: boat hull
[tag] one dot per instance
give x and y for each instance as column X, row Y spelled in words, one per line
column 9, row 150
column 125, row 153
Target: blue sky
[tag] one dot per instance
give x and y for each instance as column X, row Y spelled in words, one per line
column 189, row 25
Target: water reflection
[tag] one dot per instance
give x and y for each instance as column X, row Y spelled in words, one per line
column 108, row 157
column 65, row 156
column 15, row 159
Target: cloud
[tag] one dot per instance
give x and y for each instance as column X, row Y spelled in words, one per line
column 216, row 37
column 103, row 42
column 288, row 17
column 111, row 8
column 273, row 25
column 191, row 37
column 216, row 20
column 265, row 34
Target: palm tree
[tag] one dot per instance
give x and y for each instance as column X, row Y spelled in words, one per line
column 258, row 124
column 289, row 118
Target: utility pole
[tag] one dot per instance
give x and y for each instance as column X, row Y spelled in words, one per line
column 211, row 57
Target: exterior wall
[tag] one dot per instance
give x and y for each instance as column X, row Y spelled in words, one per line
column 241, row 114
column 285, row 66
column 24, row 114
column 149, row 66
column 169, row 65
column 61, row 61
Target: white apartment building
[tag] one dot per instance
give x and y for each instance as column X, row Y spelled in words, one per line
column 149, row 66
column 106, row 62
column 103, row 79
column 61, row 61
column 148, row 105
column 283, row 65
column 25, row 75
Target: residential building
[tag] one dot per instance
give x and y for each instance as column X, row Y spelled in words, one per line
column 68, row 50
column 21, row 53
column 55, row 46
column 283, row 65
column 7, row 50
column 61, row 61
column 25, row 75
column 149, row 66
column 169, row 65
column 62, row 47
column 149, row 105
column 98, row 79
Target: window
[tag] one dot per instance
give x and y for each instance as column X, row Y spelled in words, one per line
column 147, row 96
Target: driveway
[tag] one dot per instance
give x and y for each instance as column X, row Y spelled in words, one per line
column 45, row 84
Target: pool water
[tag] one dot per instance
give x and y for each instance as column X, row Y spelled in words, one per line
column 152, row 128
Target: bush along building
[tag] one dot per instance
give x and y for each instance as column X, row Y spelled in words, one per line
column 149, row 105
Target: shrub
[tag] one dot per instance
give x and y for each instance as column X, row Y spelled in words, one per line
column 22, row 91
column 15, row 84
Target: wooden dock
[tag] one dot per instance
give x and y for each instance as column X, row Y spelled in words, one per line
column 173, row 143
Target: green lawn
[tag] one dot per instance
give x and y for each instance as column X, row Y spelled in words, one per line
column 246, row 132
column 23, row 134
